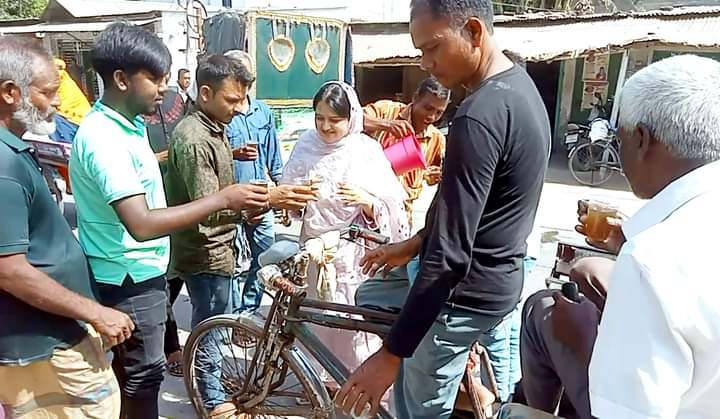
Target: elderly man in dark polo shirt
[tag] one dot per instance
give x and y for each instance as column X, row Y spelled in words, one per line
column 51, row 361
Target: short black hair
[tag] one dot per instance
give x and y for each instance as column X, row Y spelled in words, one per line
column 457, row 12
column 122, row 46
column 431, row 86
column 182, row 71
column 214, row 69
column 333, row 95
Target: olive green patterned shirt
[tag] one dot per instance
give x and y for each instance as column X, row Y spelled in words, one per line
column 200, row 163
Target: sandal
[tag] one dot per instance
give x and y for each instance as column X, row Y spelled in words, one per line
column 227, row 411
column 175, row 368
column 243, row 340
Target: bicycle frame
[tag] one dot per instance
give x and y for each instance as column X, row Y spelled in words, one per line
column 287, row 321
column 606, row 144
column 276, row 352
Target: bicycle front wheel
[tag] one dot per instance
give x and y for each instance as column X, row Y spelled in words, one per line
column 593, row 164
column 216, row 360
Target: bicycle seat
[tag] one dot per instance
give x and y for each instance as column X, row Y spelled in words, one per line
column 573, row 128
column 519, row 411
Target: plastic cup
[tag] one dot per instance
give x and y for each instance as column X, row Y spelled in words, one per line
column 260, row 182
column 253, row 145
column 306, row 181
column 597, row 227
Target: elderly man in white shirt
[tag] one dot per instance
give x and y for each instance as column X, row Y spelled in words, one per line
column 655, row 352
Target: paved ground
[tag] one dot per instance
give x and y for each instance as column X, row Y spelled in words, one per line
column 556, row 218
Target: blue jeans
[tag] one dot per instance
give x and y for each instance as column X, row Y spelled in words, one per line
column 247, row 291
column 413, row 269
column 503, row 345
column 428, row 382
column 139, row 362
column 210, row 296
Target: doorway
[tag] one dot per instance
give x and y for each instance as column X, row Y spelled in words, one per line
column 547, row 80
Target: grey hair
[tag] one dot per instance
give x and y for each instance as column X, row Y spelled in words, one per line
column 457, row 12
column 678, row 100
column 19, row 60
column 242, row 56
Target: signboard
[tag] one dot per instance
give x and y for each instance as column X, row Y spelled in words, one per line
column 595, row 80
column 295, row 55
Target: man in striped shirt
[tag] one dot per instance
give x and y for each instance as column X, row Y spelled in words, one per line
column 389, row 121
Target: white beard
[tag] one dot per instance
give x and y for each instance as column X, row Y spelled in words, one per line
column 35, row 122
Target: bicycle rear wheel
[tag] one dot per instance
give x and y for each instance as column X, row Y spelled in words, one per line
column 593, row 164
column 211, row 349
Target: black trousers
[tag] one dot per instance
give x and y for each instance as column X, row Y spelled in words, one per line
column 172, row 342
column 139, row 362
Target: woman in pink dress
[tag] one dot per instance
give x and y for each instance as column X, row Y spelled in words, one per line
column 356, row 186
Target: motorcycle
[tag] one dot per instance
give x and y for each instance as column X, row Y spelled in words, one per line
column 577, row 133
column 54, row 158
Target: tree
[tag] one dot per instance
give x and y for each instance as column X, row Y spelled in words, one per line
column 21, row 9
column 576, row 6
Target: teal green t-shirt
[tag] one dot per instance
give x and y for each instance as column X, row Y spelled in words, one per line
column 111, row 160
column 32, row 225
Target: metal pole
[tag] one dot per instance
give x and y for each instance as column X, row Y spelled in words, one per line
column 618, row 87
column 188, row 7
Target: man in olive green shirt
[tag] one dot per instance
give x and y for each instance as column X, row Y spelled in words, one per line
column 200, row 163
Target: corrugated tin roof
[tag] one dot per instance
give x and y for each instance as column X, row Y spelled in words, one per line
column 575, row 39
column 545, row 40
column 78, row 9
column 66, row 27
column 92, row 8
column 568, row 17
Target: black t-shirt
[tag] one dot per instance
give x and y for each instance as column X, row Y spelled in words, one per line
column 474, row 241
column 162, row 123
column 32, row 224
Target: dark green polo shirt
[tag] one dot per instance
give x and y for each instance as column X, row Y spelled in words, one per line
column 31, row 223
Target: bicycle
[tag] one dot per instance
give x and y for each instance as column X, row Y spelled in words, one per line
column 273, row 377
column 593, row 162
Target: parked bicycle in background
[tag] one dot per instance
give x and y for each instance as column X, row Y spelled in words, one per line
column 593, row 156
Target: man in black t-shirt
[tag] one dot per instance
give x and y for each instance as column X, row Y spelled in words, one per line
column 473, row 244
column 160, row 126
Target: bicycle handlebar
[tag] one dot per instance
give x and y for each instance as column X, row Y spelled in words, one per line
column 355, row 232
column 272, row 277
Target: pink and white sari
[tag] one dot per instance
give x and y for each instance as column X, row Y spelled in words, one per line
column 357, row 160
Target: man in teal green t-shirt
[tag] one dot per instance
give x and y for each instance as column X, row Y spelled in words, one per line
column 123, row 220
column 48, row 313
